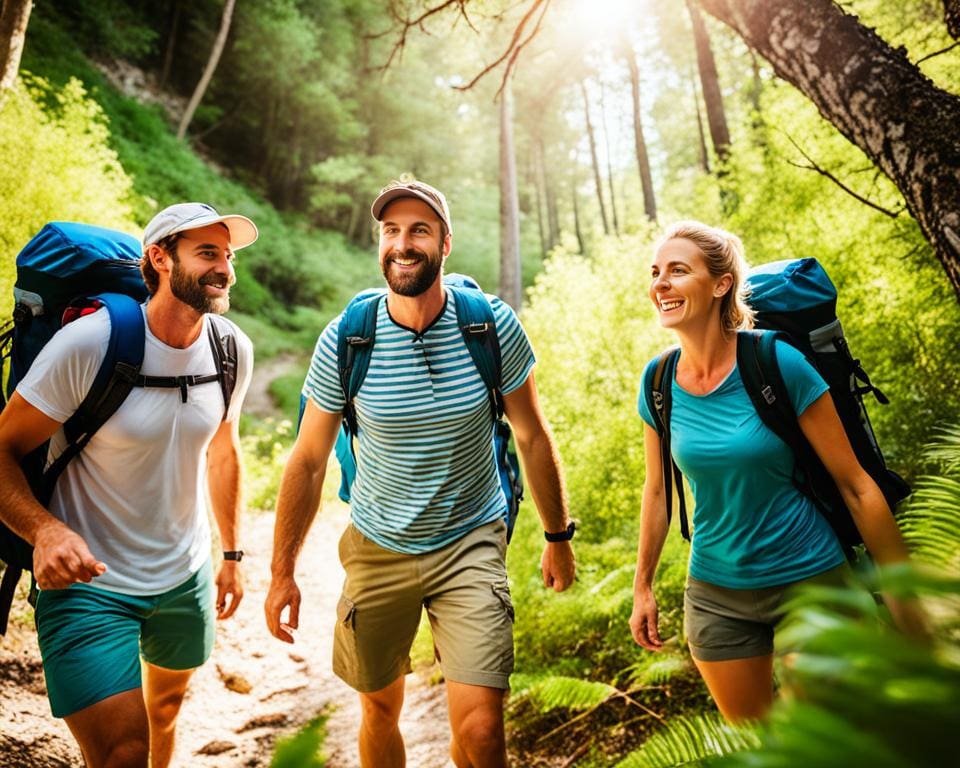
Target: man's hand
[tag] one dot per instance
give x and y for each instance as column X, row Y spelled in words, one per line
column 643, row 620
column 61, row 558
column 558, row 565
column 229, row 588
column 284, row 593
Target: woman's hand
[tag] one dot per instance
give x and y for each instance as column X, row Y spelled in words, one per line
column 643, row 620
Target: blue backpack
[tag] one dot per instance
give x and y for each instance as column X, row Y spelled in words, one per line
column 65, row 271
column 795, row 301
column 355, row 340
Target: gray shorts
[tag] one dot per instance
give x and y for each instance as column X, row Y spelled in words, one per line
column 723, row 624
column 463, row 587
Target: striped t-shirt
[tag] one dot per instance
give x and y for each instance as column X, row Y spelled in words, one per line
column 426, row 474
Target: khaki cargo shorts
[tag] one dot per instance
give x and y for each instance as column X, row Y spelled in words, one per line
column 463, row 587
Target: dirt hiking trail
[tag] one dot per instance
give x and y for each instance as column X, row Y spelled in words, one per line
column 253, row 690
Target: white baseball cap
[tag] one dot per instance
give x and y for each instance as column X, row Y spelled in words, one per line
column 184, row 216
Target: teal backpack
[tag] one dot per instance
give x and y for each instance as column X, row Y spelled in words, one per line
column 355, row 339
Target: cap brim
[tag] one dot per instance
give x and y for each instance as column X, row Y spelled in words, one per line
column 396, row 193
column 243, row 232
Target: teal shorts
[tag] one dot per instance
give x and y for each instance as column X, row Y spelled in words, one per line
column 91, row 640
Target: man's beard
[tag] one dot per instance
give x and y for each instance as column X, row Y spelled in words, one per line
column 417, row 281
column 190, row 290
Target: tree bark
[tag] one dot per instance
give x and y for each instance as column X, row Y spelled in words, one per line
column 606, row 141
column 208, row 71
column 951, row 15
column 643, row 159
column 701, row 134
column 550, row 197
column 712, row 98
column 593, row 158
column 534, row 177
column 171, row 43
column 510, row 286
column 874, row 96
column 576, row 220
column 13, row 32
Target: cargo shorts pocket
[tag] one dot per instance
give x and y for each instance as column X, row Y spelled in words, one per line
column 502, row 591
column 346, row 612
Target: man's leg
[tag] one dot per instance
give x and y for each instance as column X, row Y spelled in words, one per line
column 476, row 721
column 381, row 745
column 113, row 732
column 163, row 692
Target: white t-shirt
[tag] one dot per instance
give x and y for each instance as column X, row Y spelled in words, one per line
column 137, row 491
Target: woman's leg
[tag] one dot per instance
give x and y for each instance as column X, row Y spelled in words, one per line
column 742, row 688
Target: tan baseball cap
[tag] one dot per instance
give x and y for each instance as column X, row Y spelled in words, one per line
column 416, row 189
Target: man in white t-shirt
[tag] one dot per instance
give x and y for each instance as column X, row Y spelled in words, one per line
column 122, row 556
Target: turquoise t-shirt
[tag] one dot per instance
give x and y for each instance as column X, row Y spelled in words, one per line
column 752, row 527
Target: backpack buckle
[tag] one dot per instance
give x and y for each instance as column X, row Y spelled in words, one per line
column 358, row 341
column 476, row 327
column 768, row 394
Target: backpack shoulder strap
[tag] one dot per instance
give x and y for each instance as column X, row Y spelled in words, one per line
column 479, row 328
column 659, row 394
column 116, row 377
column 355, row 338
column 223, row 343
column 763, row 381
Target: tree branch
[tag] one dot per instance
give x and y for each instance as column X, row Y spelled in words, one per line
column 515, row 46
column 813, row 166
column 937, row 53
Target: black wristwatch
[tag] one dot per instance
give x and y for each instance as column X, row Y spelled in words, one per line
column 563, row 535
column 233, row 554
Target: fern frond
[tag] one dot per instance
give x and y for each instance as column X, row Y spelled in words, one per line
column 945, row 446
column 658, row 672
column 931, row 521
column 690, row 741
column 557, row 691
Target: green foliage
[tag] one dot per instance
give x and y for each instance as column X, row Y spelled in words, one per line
column 593, row 330
column 556, row 691
column 266, row 448
column 692, row 741
column 286, row 390
column 57, row 165
column 303, row 749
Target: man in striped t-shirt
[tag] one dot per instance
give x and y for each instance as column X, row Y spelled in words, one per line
column 427, row 510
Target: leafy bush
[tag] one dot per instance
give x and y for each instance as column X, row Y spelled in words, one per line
column 57, row 165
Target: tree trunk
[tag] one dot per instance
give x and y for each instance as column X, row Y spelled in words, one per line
column 208, row 71
column 535, row 176
column 606, row 141
column 643, row 160
column 701, row 134
column 951, row 15
column 510, row 287
column 576, row 220
column 553, row 215
column 712, row 98
column 874, row 96
column 13, row 32
column 171, row 43
column 593, row 159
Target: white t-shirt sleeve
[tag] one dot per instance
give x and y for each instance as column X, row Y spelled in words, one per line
column 63, row 372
